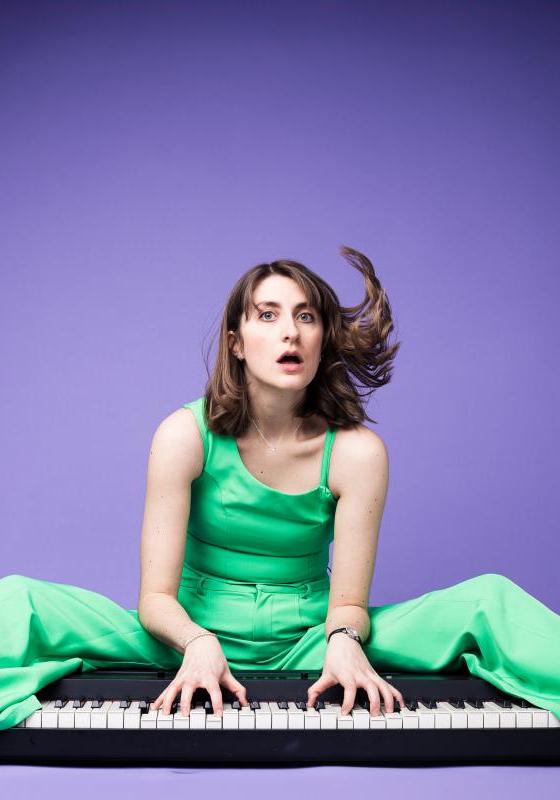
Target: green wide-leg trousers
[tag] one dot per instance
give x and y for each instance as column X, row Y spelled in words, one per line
column 488, row 624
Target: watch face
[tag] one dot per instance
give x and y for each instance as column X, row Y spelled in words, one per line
column 352, row 631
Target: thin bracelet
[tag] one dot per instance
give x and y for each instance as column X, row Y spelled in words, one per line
column 196, row 636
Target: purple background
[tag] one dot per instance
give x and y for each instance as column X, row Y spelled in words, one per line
column 152, row 152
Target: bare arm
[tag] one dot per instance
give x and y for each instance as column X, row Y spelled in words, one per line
column 176, row 459
column 363, row 490
column 358, row 516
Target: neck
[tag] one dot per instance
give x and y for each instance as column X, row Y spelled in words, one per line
column 274, row 412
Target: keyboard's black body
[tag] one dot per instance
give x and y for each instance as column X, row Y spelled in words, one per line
column 266, row 747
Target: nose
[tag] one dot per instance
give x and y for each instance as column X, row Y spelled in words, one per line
column 290, row 328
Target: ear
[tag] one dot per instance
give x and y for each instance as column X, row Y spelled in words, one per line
column 233, row 346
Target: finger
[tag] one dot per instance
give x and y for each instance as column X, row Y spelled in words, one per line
column 388, row 698
column 169, row 697
column 316, row 688
column 159, row 699
column 237, row 688
column 186, row 699
column 349, row 697
column 216, row 699
column 374, row 701
column 398, row 695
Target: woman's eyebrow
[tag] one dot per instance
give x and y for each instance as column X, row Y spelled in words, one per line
column 277, row 305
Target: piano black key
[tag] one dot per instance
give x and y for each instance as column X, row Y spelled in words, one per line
column 504, row 703
column 283, row 704
column 236, row 704
column 254, row 704
column 79, row 703
column 302, row 705
column 477, row 703
column 124, row 704
column 97, row 703
column 456, row 702
column 428, row 702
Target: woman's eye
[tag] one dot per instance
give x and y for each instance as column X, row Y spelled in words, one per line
column 261, row 315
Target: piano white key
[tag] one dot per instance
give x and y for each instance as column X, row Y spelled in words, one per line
column 180, row 720
column 279, row 716
column 231, row 718
column 66, row 715
column 132, row 715
column 345, row 722
column 540, row 717
column 328, row 716
column 49, row 717
column 198, row 717
column 443, row 716
column 115, row 715
column 296, row 720
column 246, row 718
column 553, row 720
column 82, row 717
column 213, row 722
column 164, row 721
column 360, row 715
column 263, row 717
column 393, row 719
column 490, row 716
column 410, row 718
column 311, row 719
column 475, row 717
column 99, row 715
column 34, row 720
column 524, row 717
column 458, row 715
column 426, row 716
column 378, row 722
column 149, row 719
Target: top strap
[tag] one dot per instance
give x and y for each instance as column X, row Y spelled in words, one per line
column 197, row 407
column 329, row 441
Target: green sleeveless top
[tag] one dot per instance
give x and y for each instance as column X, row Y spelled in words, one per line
column 242, row 530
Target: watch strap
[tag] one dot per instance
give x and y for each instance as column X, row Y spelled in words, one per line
column 344, row 630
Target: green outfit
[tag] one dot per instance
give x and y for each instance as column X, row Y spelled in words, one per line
column 255, row 573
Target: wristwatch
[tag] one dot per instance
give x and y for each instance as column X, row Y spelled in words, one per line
column 352, row 632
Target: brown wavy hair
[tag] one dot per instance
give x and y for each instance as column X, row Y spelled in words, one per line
column 355, row 346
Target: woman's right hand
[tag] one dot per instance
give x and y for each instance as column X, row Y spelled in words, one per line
column 205, row 665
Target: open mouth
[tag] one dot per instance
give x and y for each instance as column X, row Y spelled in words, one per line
column 290, row 365
column 290, row 360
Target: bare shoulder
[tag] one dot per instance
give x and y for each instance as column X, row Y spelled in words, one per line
column 177, row 444
column 357, row 452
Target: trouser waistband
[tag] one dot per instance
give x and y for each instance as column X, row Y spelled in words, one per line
column 199, row 581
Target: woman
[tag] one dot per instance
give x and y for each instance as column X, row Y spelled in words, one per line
column 236, row 533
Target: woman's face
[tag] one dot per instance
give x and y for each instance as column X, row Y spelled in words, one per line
column 270, row 330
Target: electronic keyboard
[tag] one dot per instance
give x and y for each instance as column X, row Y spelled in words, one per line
column 105, row 716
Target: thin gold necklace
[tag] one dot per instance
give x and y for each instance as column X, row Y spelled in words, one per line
column 273, row 448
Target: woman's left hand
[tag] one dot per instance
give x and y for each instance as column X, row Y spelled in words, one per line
column 346, row 664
